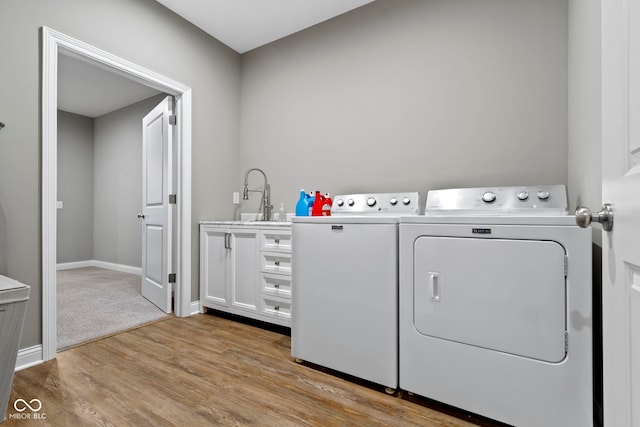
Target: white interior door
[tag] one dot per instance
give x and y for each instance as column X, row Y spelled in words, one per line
column 621, row 188
column 156, row 216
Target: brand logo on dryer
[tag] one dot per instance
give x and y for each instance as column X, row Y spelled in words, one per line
column 481, row 230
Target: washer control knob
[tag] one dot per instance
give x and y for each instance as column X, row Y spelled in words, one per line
column 340, row 202
column 543, row 195
column 489, row 197
column 371, row 202
column 350, row 202
column 523, row 195
column 406, row 201
column 393, row 201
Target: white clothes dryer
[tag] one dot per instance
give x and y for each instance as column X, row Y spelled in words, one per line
column 496, row 305
column 345, row 286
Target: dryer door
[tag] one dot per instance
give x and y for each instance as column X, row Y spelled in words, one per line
column 499, row 294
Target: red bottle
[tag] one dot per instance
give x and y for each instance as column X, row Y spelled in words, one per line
column 317, row 205
column 326, row 205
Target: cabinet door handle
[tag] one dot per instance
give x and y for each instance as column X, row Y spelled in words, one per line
column 277, row 307
column 277, row 263
column 227, row 240
column 277, row 241
column 276, row 285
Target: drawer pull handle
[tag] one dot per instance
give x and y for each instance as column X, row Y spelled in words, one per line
column 277, row 263
column 277, row 285
column 277, row 307
column 277, row 241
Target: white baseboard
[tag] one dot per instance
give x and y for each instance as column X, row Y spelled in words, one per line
column 28, row 357
column 76, row 264
column 194, row 308
column 100, row 264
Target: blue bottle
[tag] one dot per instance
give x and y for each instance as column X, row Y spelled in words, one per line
column 302, row 207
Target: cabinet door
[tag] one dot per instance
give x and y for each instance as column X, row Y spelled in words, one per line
column 244, row 266
column 215, row 258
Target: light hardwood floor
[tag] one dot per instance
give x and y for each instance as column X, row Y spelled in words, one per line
column 207, row 370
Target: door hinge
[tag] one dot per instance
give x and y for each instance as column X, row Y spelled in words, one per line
column 173, row 199
column 566, row 266
column 172, row 277
column 173, row 119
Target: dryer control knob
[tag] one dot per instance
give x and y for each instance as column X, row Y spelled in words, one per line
column 523, row 195
column 340, row 202
column 489, row 197
column 371, row 202
column 406, row 201
column 393, row 201
column 350, row 202
column 543, row 195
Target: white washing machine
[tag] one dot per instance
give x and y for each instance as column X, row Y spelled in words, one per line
column 495, row 305
column 345, row 286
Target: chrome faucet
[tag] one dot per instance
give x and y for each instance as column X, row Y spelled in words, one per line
column 266, row 194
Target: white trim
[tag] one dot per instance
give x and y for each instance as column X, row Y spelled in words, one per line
column 53, row 44
column 75, row 264
column 28, row 357
column 195, row 308
column 100, row 264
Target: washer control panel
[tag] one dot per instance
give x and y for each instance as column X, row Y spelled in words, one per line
column 376, row 204
column 526, row 200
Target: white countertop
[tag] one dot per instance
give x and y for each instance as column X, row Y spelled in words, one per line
column 253, row 220
column 253, row 223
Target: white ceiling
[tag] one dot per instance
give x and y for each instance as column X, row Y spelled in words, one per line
column 247, row 24
column 242, row 25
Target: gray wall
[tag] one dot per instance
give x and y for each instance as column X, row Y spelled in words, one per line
column 118, row 184
column 584, row 143
column 411, row 95
column 146, row 33
column 75, row 188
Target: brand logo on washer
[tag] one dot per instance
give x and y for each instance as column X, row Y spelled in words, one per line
column 481, row 230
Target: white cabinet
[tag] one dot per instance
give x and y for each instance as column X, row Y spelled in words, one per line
column 228, row 268
column 246, row 270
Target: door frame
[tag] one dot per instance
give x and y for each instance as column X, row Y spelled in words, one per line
column 53, row 44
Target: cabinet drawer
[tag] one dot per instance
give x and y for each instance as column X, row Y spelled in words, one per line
column 276, row 240
column 273, row 262
column 276, row 307
column 276, row 284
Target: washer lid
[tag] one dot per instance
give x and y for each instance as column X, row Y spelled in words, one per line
column 346, row 219
column 12, row 291
column 540, row 200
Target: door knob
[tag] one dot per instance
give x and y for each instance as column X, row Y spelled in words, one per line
column 584, row 217
column 140, row 215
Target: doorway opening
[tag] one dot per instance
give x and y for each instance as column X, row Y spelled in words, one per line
column 53, row 45
column 100, row 187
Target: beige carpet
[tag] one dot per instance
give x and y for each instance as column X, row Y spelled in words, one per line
column 93, row 302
